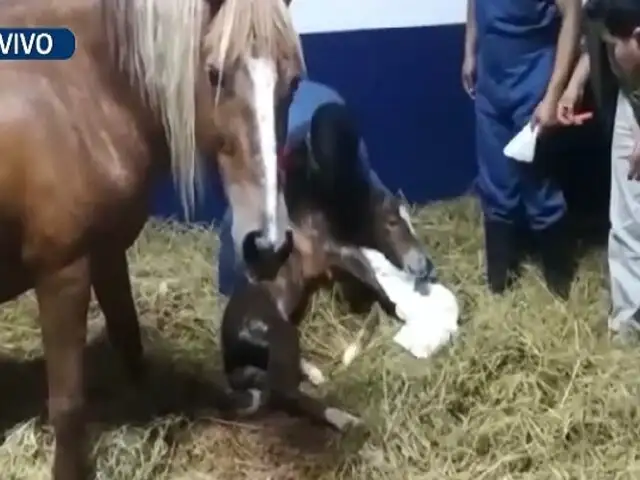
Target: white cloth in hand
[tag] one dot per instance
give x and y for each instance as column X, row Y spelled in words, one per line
column 522, row 147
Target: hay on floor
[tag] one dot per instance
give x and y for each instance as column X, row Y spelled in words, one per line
column 531, row 389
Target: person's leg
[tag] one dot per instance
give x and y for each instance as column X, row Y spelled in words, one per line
column 546, row 210
column 624, row 236
column 230, row 270
column 542, row 197
column 497, row 186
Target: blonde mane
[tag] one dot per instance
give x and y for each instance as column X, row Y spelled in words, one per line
column 261, row 28
column 157, row 42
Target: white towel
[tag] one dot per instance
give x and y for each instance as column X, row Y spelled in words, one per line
column 522, row 147
column 431, row 320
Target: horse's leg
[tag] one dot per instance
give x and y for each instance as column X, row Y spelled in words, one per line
column 284, row 381
column 112, row 286
column 63, row 301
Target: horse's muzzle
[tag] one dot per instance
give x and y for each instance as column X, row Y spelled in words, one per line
column 262, row 257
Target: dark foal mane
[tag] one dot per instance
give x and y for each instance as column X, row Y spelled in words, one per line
column 346, row 203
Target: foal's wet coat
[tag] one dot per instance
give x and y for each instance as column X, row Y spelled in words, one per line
column 331, row 219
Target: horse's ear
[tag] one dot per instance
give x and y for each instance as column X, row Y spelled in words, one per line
column 402, row 198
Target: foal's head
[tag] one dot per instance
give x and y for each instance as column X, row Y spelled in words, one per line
column 361, row 212
column 393, row 235
column 253, row 68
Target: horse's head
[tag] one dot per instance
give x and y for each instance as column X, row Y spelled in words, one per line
column 253, row 64
column 393, row 234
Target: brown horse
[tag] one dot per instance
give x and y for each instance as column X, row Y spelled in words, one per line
column 334, row 211
column 82, row 141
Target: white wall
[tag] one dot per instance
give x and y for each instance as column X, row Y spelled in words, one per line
column 315, row 16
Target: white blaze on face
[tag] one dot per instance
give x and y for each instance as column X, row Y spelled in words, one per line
column 404, row 214
column 263, row 74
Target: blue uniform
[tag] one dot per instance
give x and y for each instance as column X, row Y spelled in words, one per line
column 309, row 96
column 516, row 52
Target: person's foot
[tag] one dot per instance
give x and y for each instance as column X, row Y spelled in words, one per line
column 624, row 337
column 501, row 255
column 558, row 282
column 558, row 258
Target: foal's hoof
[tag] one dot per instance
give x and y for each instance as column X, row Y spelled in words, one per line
column 350, row 354
column 247, row 402
column 312, row 373
column 341, row 420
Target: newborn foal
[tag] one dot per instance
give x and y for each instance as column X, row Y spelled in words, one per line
column 334, row 211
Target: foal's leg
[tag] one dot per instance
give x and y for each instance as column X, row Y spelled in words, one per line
column 284, row 381
column 112, row 286
column 363, row 338
column 63, row 300
column 352, row 261
column 312, row 373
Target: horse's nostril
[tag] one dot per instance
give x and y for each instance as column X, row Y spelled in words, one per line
column 287, row 247
column 261, row 256
column 414, row 262
column 419, row 265
column 251, row 252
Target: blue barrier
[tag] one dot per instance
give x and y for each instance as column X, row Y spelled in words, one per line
column 403, row 86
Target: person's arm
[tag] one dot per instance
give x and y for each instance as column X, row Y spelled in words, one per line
column 580, row 74
column 470, row 46
column 308, row 98
column 567, row 46
column 572, row 96
column 471, row 30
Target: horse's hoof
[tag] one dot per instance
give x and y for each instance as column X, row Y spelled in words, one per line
column 341, row 420
column 312, row 373
column 350, row 354
column 137, row 371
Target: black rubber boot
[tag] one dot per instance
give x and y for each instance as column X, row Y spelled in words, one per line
column 557, row 254
column 501, row 255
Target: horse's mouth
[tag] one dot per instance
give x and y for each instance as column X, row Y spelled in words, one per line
column 422, row 285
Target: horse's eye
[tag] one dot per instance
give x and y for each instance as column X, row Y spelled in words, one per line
column 393, row 222
column 216, row 78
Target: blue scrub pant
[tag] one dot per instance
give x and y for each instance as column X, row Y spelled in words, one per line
column 508, row 188
column 512, row 80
